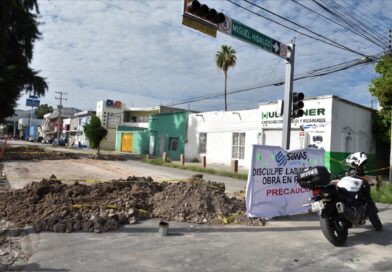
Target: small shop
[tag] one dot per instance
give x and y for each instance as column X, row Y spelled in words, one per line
column 336, row 125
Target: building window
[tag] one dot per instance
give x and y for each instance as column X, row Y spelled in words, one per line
column 202, row 142
column 173, row 143
column 238, row 147
column 143, row 119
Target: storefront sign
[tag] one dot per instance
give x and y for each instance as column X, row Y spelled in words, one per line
column 271, row 118
column 272, row 188
column 113, row 104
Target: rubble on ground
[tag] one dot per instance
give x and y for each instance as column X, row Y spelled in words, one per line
column 35, row 153
column 10, row 245
column 106, row 157
column 50, row 205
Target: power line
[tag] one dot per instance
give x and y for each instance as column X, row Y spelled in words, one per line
column 329, row 42
column 294, row 23
column 345, row 19
column 365, row 13
column 336, row 22
column 311, row 74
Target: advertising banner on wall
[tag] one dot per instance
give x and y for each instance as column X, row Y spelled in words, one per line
column 272, row 188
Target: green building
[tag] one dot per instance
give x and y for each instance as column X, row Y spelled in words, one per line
column 168, row 134
column 132, row 139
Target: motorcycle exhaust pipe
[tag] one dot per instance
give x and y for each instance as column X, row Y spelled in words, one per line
column 347, row 212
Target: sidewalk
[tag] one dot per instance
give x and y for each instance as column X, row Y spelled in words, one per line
column 218, row 167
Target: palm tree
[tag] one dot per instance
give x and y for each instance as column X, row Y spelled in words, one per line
column 224, row 59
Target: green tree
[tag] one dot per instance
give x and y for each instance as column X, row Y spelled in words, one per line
column 225, row 59
column 95, row 132
column 42, row 110
column 381, row 87
column 18, row 32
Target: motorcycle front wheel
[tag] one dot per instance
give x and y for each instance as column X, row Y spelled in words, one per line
column 334, row 230
column 375, row 219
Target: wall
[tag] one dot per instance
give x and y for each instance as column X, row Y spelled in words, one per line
column 109, row 142
column 219, row 127
column 351, row 132
column 110, row 116
column 140, row 139
column 164, row 126
column 316, row 124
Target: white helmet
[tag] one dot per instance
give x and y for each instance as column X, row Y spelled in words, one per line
column 356, row 159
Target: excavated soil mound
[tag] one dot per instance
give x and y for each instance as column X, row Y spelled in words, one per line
column 51, row 205
column 35, row 153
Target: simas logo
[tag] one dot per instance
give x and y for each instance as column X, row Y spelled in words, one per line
column 282, row 159
column 297, row 156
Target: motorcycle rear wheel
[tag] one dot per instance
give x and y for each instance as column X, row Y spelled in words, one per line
column 334, row 230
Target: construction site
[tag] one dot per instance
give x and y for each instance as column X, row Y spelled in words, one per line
column 60, row 210
column 32, row 195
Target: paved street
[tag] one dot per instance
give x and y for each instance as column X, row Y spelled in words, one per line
column 20, row 173
column 296, row 244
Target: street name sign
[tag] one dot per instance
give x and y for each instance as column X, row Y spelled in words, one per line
column 249, row 35
column 32, row 101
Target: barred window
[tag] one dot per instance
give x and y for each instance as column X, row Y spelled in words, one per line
column 202, row 142
column 173, row 143
column 238, row 146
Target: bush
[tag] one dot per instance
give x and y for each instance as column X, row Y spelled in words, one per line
column 384, row 194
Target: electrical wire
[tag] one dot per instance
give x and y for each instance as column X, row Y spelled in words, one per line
column 292, row 22
column 328, row 41
column 311, row 74
column 347, row 20
column 337, row 23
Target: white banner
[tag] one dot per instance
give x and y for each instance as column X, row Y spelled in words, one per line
column 272, row 188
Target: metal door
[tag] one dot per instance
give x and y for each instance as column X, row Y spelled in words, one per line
column 126, row 143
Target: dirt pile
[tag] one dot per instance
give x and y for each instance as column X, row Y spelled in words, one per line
column 35, row 153
column 51, row 205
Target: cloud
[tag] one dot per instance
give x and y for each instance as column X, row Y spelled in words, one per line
column 140, row 53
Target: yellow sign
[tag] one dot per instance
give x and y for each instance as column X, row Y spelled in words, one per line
column 199, row 26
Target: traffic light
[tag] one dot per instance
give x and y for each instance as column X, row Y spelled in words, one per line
column 203, row 11
column 390, row 39
column 298, row 104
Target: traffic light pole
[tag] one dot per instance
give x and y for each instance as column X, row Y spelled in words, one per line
column 288, row 91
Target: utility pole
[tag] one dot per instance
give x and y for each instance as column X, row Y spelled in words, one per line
column 60, row 107
column 288, row 91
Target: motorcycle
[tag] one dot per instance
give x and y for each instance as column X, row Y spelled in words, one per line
column 341, row 203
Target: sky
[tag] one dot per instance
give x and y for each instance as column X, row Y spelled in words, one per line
column 139, row 52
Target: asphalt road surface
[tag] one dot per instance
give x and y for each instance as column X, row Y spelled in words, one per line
column 19, row 173
column 294, row 244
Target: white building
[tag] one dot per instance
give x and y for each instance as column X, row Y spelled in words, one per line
column 82, row 118
column 111, row 113
column 331, row 123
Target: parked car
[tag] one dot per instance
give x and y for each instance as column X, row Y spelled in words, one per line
column 59, row 142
